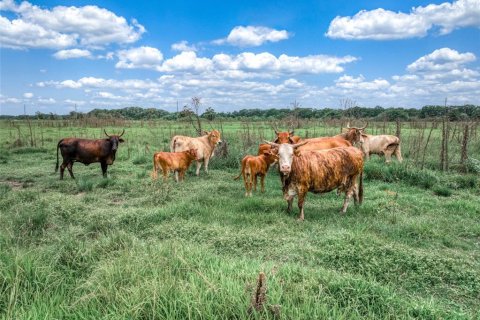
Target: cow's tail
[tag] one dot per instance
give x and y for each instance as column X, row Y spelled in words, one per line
column 241, row 172
column 58, row 146
column 360, row 188
column 172, row 145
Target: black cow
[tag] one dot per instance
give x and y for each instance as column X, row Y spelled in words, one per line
column 88, row 151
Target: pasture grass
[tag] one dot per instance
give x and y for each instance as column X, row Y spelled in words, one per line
column 127, row 247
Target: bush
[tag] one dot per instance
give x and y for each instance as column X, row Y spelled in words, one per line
column 84, row 185
column 395, row 172
column 141, row 159
column 442, row 191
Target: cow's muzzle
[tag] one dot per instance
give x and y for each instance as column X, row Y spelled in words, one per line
column 285, row 169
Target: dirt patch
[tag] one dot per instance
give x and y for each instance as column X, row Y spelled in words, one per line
column 15, row 185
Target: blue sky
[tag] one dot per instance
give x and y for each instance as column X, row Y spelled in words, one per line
column 56, row 55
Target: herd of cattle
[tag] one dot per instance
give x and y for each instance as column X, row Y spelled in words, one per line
column 315, row 165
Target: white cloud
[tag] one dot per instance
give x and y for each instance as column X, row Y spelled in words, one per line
column 186, row 61
column 142, row 57
column 380, row 24
column 441, row 59
column 253, row 36
column 72, row 54
column 243, row 65
column 63, row 27
column 28, row 95
column 359, row 83
column 183, row 46
column 46, row 101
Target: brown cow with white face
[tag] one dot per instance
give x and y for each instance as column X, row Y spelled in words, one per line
column 88, row 151
column 320, row 171
column 205, row 146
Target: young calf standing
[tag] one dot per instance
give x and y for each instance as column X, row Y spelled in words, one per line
column 256, row 166
column 173, row 161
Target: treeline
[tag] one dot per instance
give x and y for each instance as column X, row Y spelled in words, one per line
column 454, row 113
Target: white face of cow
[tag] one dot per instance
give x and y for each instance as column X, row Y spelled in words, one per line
column 286, row 152
column 285, row 158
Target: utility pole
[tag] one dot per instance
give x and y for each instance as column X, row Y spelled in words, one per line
column 24, row 109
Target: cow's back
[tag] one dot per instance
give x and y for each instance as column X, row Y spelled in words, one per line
column 325, row 170
column 324, row 143
column 184, row 143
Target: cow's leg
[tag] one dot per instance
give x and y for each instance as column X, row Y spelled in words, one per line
column 254, row 178
column 245, row 182
column 70, row 169
column 398, row 153
column 199, row 165
column 356, row 198
column 62, row 169
column 182, row 175
column 301, row 200
column 104, row 168
column 262, row 182
column 348, row 195
column 165, row 172
column 388, row 155
column 207, row 159
column 289, row 203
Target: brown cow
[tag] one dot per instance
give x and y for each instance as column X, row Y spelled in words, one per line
column 286, row 137
column 88, row 151
column 256, row 166
column 179, row 162
column 205, row 146
column 320, row 171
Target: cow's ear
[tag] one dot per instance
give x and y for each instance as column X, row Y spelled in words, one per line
column 297, row 152
column 121, row 140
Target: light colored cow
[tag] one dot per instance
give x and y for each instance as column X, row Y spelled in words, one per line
column 205, row 146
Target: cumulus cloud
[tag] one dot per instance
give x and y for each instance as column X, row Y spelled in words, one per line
column 253, row 36
column 183, row 46
column 440, row 60
column 142, row 57
column 72, row 54
column 63, row 27
column 380, row 24
column 359, row 83
column 246, row 64
column 28, row 95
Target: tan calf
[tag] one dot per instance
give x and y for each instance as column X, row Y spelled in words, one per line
column 173, row 161
column 256, row 166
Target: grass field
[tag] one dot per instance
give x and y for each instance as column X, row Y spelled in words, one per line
column 126, row 247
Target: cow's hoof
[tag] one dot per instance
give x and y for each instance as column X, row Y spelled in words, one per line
column 300, row 220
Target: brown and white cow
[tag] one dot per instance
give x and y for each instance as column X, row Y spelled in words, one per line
column 256, row 166
column 205, row 146
column 88, row 151
column 179, row 162
column 320, row 171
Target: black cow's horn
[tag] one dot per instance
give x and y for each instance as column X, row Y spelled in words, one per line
column 106, row 133
column 121, row 134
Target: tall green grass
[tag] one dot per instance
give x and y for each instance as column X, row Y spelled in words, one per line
column 127, row 247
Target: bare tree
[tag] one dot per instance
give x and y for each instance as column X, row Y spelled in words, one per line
column 189, row 112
